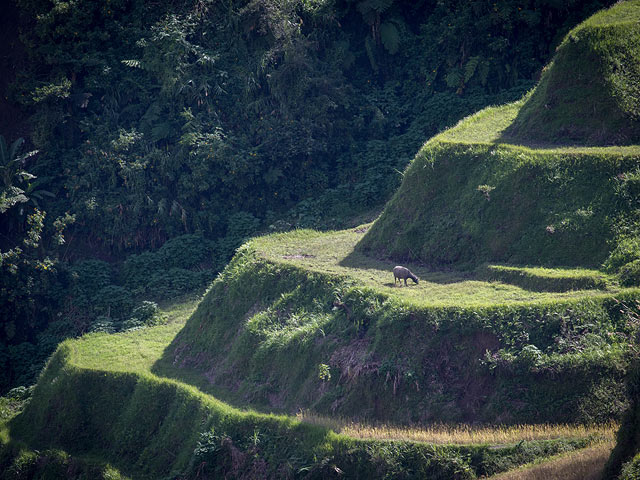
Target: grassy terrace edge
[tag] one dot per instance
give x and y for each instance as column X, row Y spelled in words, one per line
column 283, row 336
column 150, row 427
column 336, row 255
column 470, row 197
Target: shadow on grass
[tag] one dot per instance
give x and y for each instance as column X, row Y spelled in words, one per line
column 166, row 367
column 359, row 261
column 518, row 276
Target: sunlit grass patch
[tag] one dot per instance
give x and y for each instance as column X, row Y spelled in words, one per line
column 585, row 464
column 489, row 124
column 132, row 351
column 334, row 253
column 549, row 279
column 462, row 434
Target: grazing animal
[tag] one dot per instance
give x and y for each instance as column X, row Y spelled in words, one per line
column 402, row 273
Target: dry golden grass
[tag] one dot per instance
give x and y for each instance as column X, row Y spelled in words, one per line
column 585, row 464
column 461, row 434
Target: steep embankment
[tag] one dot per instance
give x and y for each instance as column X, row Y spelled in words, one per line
column 301, row 320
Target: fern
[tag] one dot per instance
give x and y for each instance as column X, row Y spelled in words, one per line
column 372, row 9
column 470, row 68
column 390, row 37
column 132, row 63
column 483, row 72
column 454, row 78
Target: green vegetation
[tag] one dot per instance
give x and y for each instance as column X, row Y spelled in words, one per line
column 129, row 416
column 19, row 462
column 170, row 133
column 335, row 253
column 288, row 304
column 158, row 121
column 567, row 207
column 470, row 196
column 590, row 93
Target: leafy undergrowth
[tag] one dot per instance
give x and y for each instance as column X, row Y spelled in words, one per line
column 97, row 402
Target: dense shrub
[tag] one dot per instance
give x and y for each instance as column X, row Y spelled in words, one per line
column 183, row 264
column 113, row 301
column 631, row 469
column 630, row 274
column 89, row 278
column 186, row 251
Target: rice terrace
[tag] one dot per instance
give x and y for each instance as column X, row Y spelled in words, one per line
column 309, row 239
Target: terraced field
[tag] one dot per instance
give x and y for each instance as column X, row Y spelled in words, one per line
column 335, row 253
column 108, row 381
column 304, row 360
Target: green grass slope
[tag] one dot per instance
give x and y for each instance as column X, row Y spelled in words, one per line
column 309, row 320
column 473, row 195
column 465, row 203
column 590, row 93
column 302, row 320
column 98, row 401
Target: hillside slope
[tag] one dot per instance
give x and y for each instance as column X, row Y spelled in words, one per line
column 590, row 93
column 300, row 320
column 309, row 320
column 471, row 195
column 98, row 401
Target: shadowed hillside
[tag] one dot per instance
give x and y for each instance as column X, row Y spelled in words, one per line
column 590, row 93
